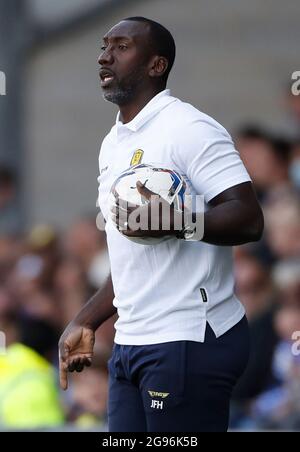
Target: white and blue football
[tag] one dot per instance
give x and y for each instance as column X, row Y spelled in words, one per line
column 167, row 183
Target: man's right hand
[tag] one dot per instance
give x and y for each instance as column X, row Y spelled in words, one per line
column 75, row 351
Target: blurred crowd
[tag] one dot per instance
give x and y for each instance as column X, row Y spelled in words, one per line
column 47, row 275
column 45, row 278
column 268, row 280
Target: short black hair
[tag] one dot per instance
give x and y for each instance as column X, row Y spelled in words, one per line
column 252, row 132
column 280, row 146
column 162, row 41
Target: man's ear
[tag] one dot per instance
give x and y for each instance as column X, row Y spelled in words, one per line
column 158, row 66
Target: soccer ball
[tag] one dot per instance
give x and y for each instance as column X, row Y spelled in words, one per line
column 167, row 183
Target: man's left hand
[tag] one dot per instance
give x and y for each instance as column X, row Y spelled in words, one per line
column 155, row 218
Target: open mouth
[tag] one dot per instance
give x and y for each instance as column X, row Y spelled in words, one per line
column 106, row 77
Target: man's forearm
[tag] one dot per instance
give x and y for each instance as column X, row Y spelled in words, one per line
column 232, row 223
column 98, row 309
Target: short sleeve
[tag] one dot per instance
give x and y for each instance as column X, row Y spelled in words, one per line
column 205, row 153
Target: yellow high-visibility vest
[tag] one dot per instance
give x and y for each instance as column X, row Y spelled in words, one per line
column 28, row 390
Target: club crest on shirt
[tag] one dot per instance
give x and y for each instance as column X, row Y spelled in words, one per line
column 137, row 157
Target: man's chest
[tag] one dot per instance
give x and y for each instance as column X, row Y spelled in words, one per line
column 116, row 158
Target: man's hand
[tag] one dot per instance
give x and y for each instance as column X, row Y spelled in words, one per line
column 156, row 218
column 75, row 351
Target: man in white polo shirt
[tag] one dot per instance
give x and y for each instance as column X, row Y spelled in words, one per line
column 181, row 337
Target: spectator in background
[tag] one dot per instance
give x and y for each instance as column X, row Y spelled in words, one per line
column 44, row 242
column 292, row 122
column 265, row 158
column 28, row 391
column 267, row 395
column 8, row 188
column 71, row 287
column 86, row 245
column 10, row 250
column 282, row 224
column 253, row 285
column 286, row 276
column 89, row 391
column 294, row 167
column 25, row 283
column 255, row 290
column 8, row 314
column 269, row 295
column 40, row 285
column 278, row 406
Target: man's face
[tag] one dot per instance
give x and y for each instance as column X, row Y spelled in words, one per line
column 124, row 61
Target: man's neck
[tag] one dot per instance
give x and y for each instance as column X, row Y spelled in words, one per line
column 130, row 110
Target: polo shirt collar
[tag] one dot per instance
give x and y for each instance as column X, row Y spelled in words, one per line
column 154, row 106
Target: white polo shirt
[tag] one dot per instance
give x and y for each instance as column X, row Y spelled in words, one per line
column 168, row 291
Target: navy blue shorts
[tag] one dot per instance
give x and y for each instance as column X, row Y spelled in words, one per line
column 180, row 386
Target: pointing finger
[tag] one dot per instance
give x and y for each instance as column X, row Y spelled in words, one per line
column 63, row 375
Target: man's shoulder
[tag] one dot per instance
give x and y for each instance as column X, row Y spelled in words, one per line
column 182, row 115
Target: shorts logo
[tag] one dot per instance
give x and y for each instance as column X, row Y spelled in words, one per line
column 137, row 157
column 163, row 395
